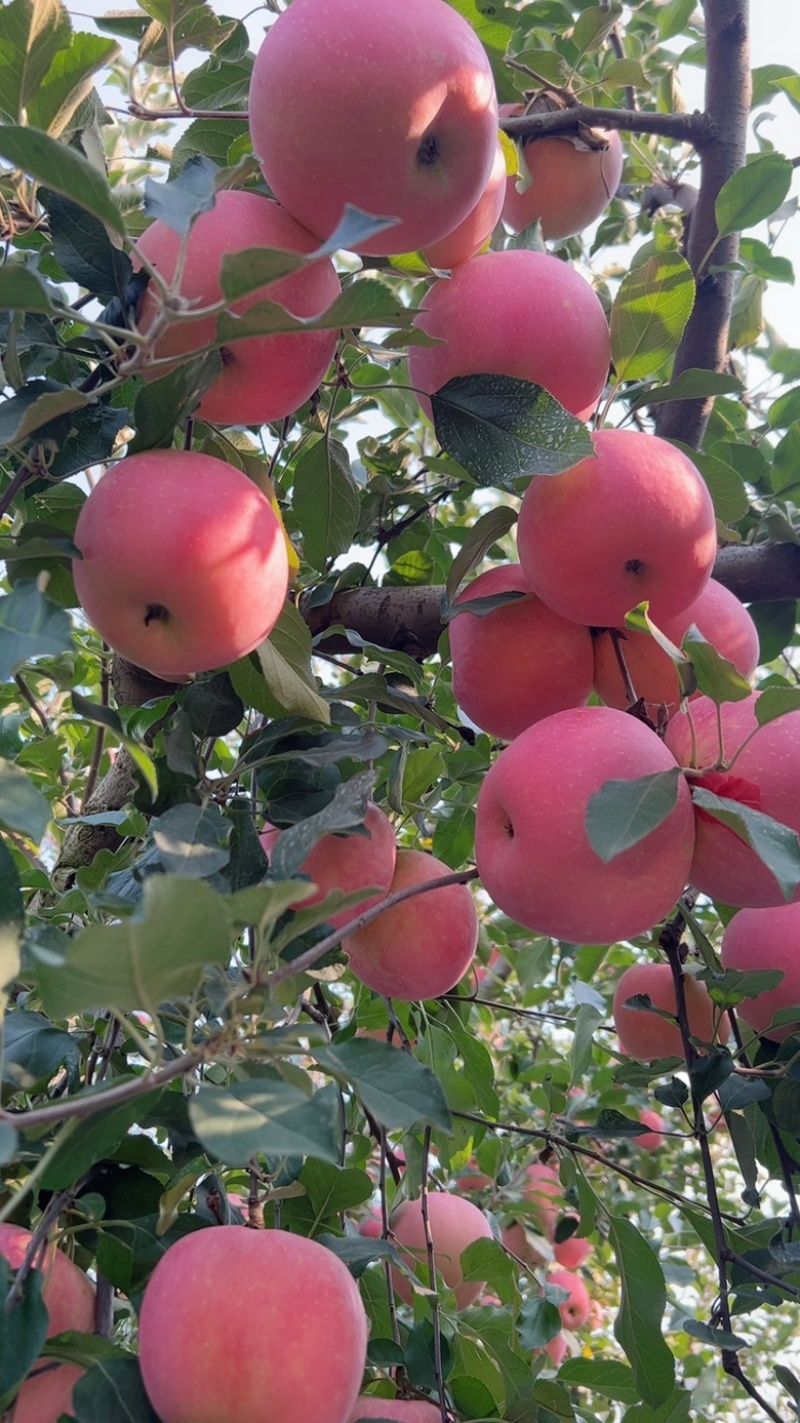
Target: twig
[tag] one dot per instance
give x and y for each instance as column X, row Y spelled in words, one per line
column 438, row 1370
column 695, row 128
column 86, row 1105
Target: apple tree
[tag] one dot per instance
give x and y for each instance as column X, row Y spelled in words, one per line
column 399, row 871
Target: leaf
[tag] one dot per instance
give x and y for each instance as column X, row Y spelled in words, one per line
column 500, row 428
column 676, row 1408
column 775, row 623
column 22, row 290
column 33, row 1050
column 12, row 920
column 540, row 1321
column 161, row 405
column 255, row 267
column 690, row 385
column 398, row 1090
column 30, row 626
column 622, row 813
column 594, row 25
column 83, row 248
column 325, row 501
column 643, row 1299
column 112, row 1388
column 23, row 1328
column 192, row 839
column 776, row 845
column 183, row 198
column 490, row 527
column 61, row 168
column 752, row 193
column 32, row 35
column 718, row 1338
column 776, row 701
column 266, row 1116
column 68, row 82
column 93, row 1139
column 709, row 1071
column 345, row 812
column 651, row 309
column 366, row 302
column 605, row 1376
column 34, row 406
column 22, row 806
column 284, row 658
column 716, row 677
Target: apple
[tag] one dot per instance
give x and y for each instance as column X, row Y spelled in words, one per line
column 766, row 939
column 758, row 766
column 347, row 862
column 183, row 562
column 572, row 1252
column 274, row 1302
column 454, row 1224
column 651, row 1140
column 391, row 108
column 422, row 946
column 398, row 1410
column 574, row 1310
column 521, row 1243
column 633, row 522
column 646, row 1036
column 556, row 1349
column 67, row 1292
column 515, row 313
column 561, row 183
column 472, row 235
column 474, row 1179
column 717, row 614
column 531, row 846
column 46, row 1393
column 264, row 377
column 500, row 687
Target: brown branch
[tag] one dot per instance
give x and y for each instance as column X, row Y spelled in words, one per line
column 86, row 1105
column 697, row 129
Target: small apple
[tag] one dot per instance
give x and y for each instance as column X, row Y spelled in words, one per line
column 647, row 1036
column 556, row 1349
column 68, row 1293
column 766, row 939
column 574, row 1310
column 572, row 1252
column 454, row 1224
column 562, row 183
column 347, row 862
column 652, row 1140
column 472, row 235
column 398, row 1410
column 46, row 1393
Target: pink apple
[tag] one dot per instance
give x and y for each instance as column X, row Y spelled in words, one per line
column 422, row 946
column 556, row 1349
column 283, row 1329
column 520, row 662
column 264, row 377
column 67, row 1292
column 472, row 235
column 520, row 1241
column 652, row 1140
column 399, row 1410
column 561, row 183
column 572, row 1252
column 347, row 862
column 531, row 846
column 389, row 107
column 634, row 522
column 647, row 1036
column 763, row 774
column 514, row 313
column 454, row 1224
column 574, row 1310
column 766, row 939
column 183, row 564
column 46, row 1393
column 717, row 614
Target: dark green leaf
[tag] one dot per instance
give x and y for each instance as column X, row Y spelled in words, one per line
column 359, row 1251
column 325, row 501
column 622, row 813
column 35, row 406
column 30, row 627
column 675, row 1094
column 182, row 199
column 162, row 405
column 651, row 309
column 248, row 1119
column 344, row 812
column 786, row 1106
column 717, row 678
column 90, row 439
column 32, row 1049
column 192, row 839
column 22, row 1328
column 691, row 385
column 753, row 193
column 83, row 248
column 61, row 168
column 775, row 623
column 676, row 1408
column 489, row 528
column 540, row 1322
column 112, row 1388
column 500, row 428
column 776, row 845
column 398, row 1090
column 22, row 806
column 68, row 82
column 21, row 289
column 718, row 1338
column 739, row 1092
column 709, row 1071
column 603, row 1376
column 93, row 1139
column 643, row 1299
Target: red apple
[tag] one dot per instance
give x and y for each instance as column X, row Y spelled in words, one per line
column 67, row 1292
column 646, row 1036
column 422, row 946
column 514, row 313
column 454, row 1224
column 183, row 564
column 472, row 235
column 634, row 522
column 264, row 377
column 46, row 1393
column 556, row 1349
column 651, row 1140
column 275, row 1302
column 399, row 1410
column 531, row 846
column 572, row 1252
column 520, row 662
column 574, row 1310
column 347, row 862
column 561, row 183
column 389, row 107
column 766, row 939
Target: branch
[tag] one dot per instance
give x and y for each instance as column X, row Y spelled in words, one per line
column 697, row 129
column 88, row 1104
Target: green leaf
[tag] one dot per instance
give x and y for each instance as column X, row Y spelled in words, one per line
column 30, row 626
column 366, row 302
column 776, row 701
column 32, row 35
column 709, row 1071
column 112, row 1388
column 486, row 1260
column 33, row 1050
column 500, row 428
column 36, row 405
column 248, row 271
column 325, row 501
column 603, row 1376
column 22, row 290
column 540, row 1321
column 163, row 405
column 69, row 81
column 594, row 25
column 182, row 199
column 775, row 623
column 490, row 527
column 63, row 169
column 192, row 839
column 93, row 1139
column 716, row 677
column 22, row 806
column 776, row 845
column 284, row 658
column 753, row 193
column 622, row 813
column 691, row 385
column 266, row 1116
column 23, row 1328
column 651, row 309
column 718, row 1338
column 332, row 1189
column 344, row 813
column 643, row 1299
column 83, row 248
column 676, row 1408
column 394, row 1087
column 12, row 919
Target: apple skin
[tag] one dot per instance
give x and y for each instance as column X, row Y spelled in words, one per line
column 400, row 1410
column 265, row 377
column 717, row 614
column 765, row 776
column 276, row 1301
column 645, row 1036
column 572, row 1252
column 531, row 847
column 514, row 313
column 347, row 862
column 67, row 1292
column 651, row 1140
column 761, row 939
column 574, row 1311
column 635, row 522
column 471, row 235
column 554, row 673
column 556, row 1348
column 569, row 187
column 46, row 1392
column 423, row 946
column 188, row 535
column 454, row 1224
column 403, row 122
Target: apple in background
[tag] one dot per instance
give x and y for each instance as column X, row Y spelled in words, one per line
column 422, row 946
column 556, row 1348
column 264, row 377
column 568, row 185
column 572, row 1252
column 471, row 235
column 717, row 614
column 454, row 1224
column 764, row 775
column 646, row 1036
column 476, row 1180
column 521, row 1243
column 531, row 847
column 634, row 522
column 347, row 862
column 46, row 1392
column 280, row 1302
column 651, row 1140
column 574, row 1311
column 399, row 1410
column 184, row 563
column 763, row 939
column 515, row 313
column 403, row 122
column 520, row 662
column 67, row 1292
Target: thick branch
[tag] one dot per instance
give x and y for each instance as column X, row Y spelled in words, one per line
column 696, row 128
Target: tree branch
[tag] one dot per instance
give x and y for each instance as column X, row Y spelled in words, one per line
column 697, row 129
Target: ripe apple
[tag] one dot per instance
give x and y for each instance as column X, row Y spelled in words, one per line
column 717, row 614
column 634, row 522
column 520, row 1241
column 565, row 185
column 764, row 775
column 474, row 1179
column 472, row 235
column 67, row 1292
column 46, row 1393
column 347, row 862
column 422, row 946
column 651, row 1140
column 520, row 662
column 572, row 1252
column 531, row 846
column 454, row 1224
column 556, row 1348
column 403, row 121
column 766, row 939
column 183, row 564
column 646, row 1036
column 264, row 377
column 574, row 1311
column 275, row 1302
column 515, row 313
column 400, row 1410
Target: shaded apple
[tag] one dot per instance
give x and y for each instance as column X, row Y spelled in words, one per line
column 472, row 235
column 574, row 1310
column 398, row 1410
column 645, row 1035
column 348, row 863
column 766, row 939
column 454, row 1224
column 46, row 1393
column 68, row 1293
column 562, row 184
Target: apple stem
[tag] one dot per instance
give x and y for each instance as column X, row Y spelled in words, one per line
column 617, row 638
